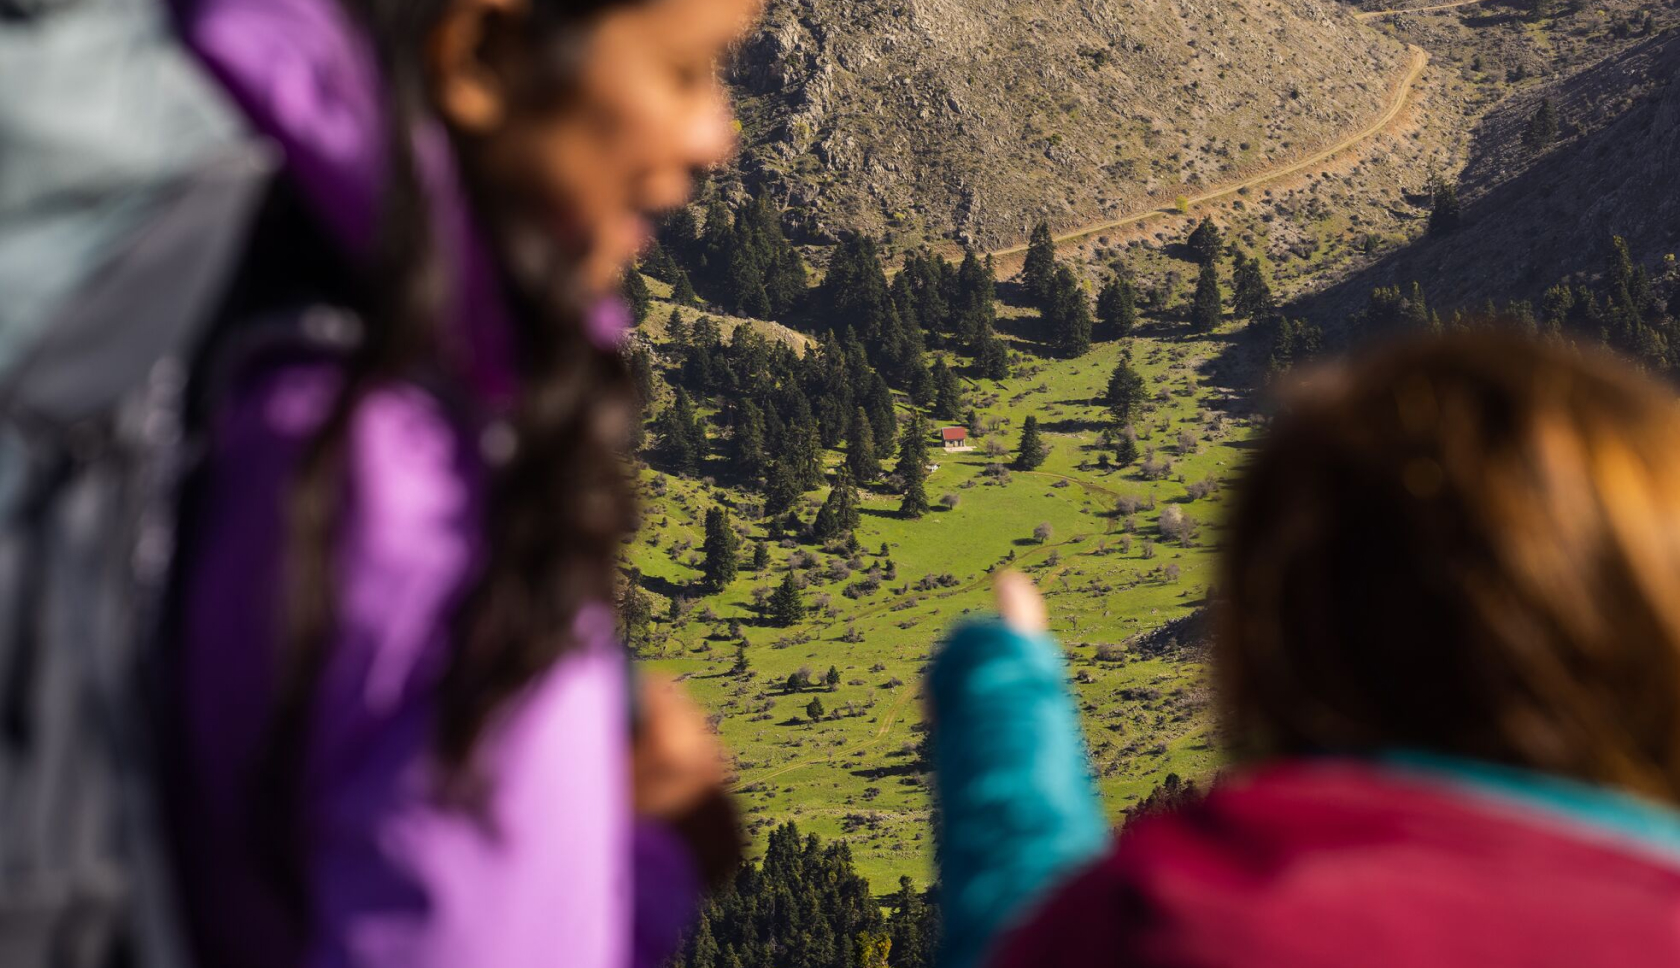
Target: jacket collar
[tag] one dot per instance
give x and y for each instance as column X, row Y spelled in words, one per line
column 1596, row 812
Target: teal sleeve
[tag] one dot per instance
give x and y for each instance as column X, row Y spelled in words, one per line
column 1017, row 810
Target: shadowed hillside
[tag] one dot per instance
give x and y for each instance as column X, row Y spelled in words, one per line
column 1612, row 165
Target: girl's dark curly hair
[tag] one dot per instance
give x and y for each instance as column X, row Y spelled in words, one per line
column 559, row 506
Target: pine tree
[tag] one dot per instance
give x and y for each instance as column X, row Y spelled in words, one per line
column 635, row 611
column 721, row 549
column 832, row 678
column 860, row 448
column 991, row 358
column 1040, row 264
column 803, row 452
column 787, row 606
column 657, row 262
column 781, row 490
column 974, row 305
column 682, row 291
column 1068, row 314
column 741, row 666
column 1207, row 308
column 681, row 435
column 1542, row 127
column 947, row 392
column 704, row 949
column 676, row 333
column 1117, row 306
column 782, row 268
column 761, row 556
column 920, row 385
column 1251, row 296
column 814, row 709
column 839, row 512
column 1126, row 450
column 1293, row 341
column 883, row 418
column 749, row 458
column 912, row 468
column 1031, row 452
column 1444, row 214
column 680, row 232
column 1126, row 390
column 712, row 247
column 1204, row 242
column 641, row 374
column 637, row 295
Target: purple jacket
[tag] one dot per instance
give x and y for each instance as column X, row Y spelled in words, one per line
column 554, row 870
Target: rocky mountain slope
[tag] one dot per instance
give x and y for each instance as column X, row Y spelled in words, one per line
column 926, row 119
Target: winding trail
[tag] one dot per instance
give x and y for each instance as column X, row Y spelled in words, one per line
column 890, row 718
column 1435, row 8
column 1402, row 92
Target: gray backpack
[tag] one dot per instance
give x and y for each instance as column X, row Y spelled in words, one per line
column 126, row 188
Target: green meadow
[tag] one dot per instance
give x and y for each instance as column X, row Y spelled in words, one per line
column 1103, row 563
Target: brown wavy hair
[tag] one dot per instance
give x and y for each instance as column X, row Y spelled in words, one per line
column 1468, row 545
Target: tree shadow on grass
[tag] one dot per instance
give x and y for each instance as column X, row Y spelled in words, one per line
column 883, row 772
column 1070, row 425
column 661, row 585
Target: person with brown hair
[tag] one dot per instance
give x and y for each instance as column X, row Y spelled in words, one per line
column 1448, row 655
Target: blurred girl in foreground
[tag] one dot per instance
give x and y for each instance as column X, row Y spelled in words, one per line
column 1448, row 649
column 406, row 725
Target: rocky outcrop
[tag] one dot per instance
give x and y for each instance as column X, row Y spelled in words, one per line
column 971, row 120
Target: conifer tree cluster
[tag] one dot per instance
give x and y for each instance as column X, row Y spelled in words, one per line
column 839, row 513
column 681, row 435
column 657, row 262
column 1067, row 314
column 739, row 257
column 952, row 307
column 1117, row 305
column 1392, row 310
column 805, row 906
column 1055, row 288
column 1292, row 341
column 1628, row 310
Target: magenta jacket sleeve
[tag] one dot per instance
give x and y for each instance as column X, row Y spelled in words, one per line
column 545, row 872
column 550, row 869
